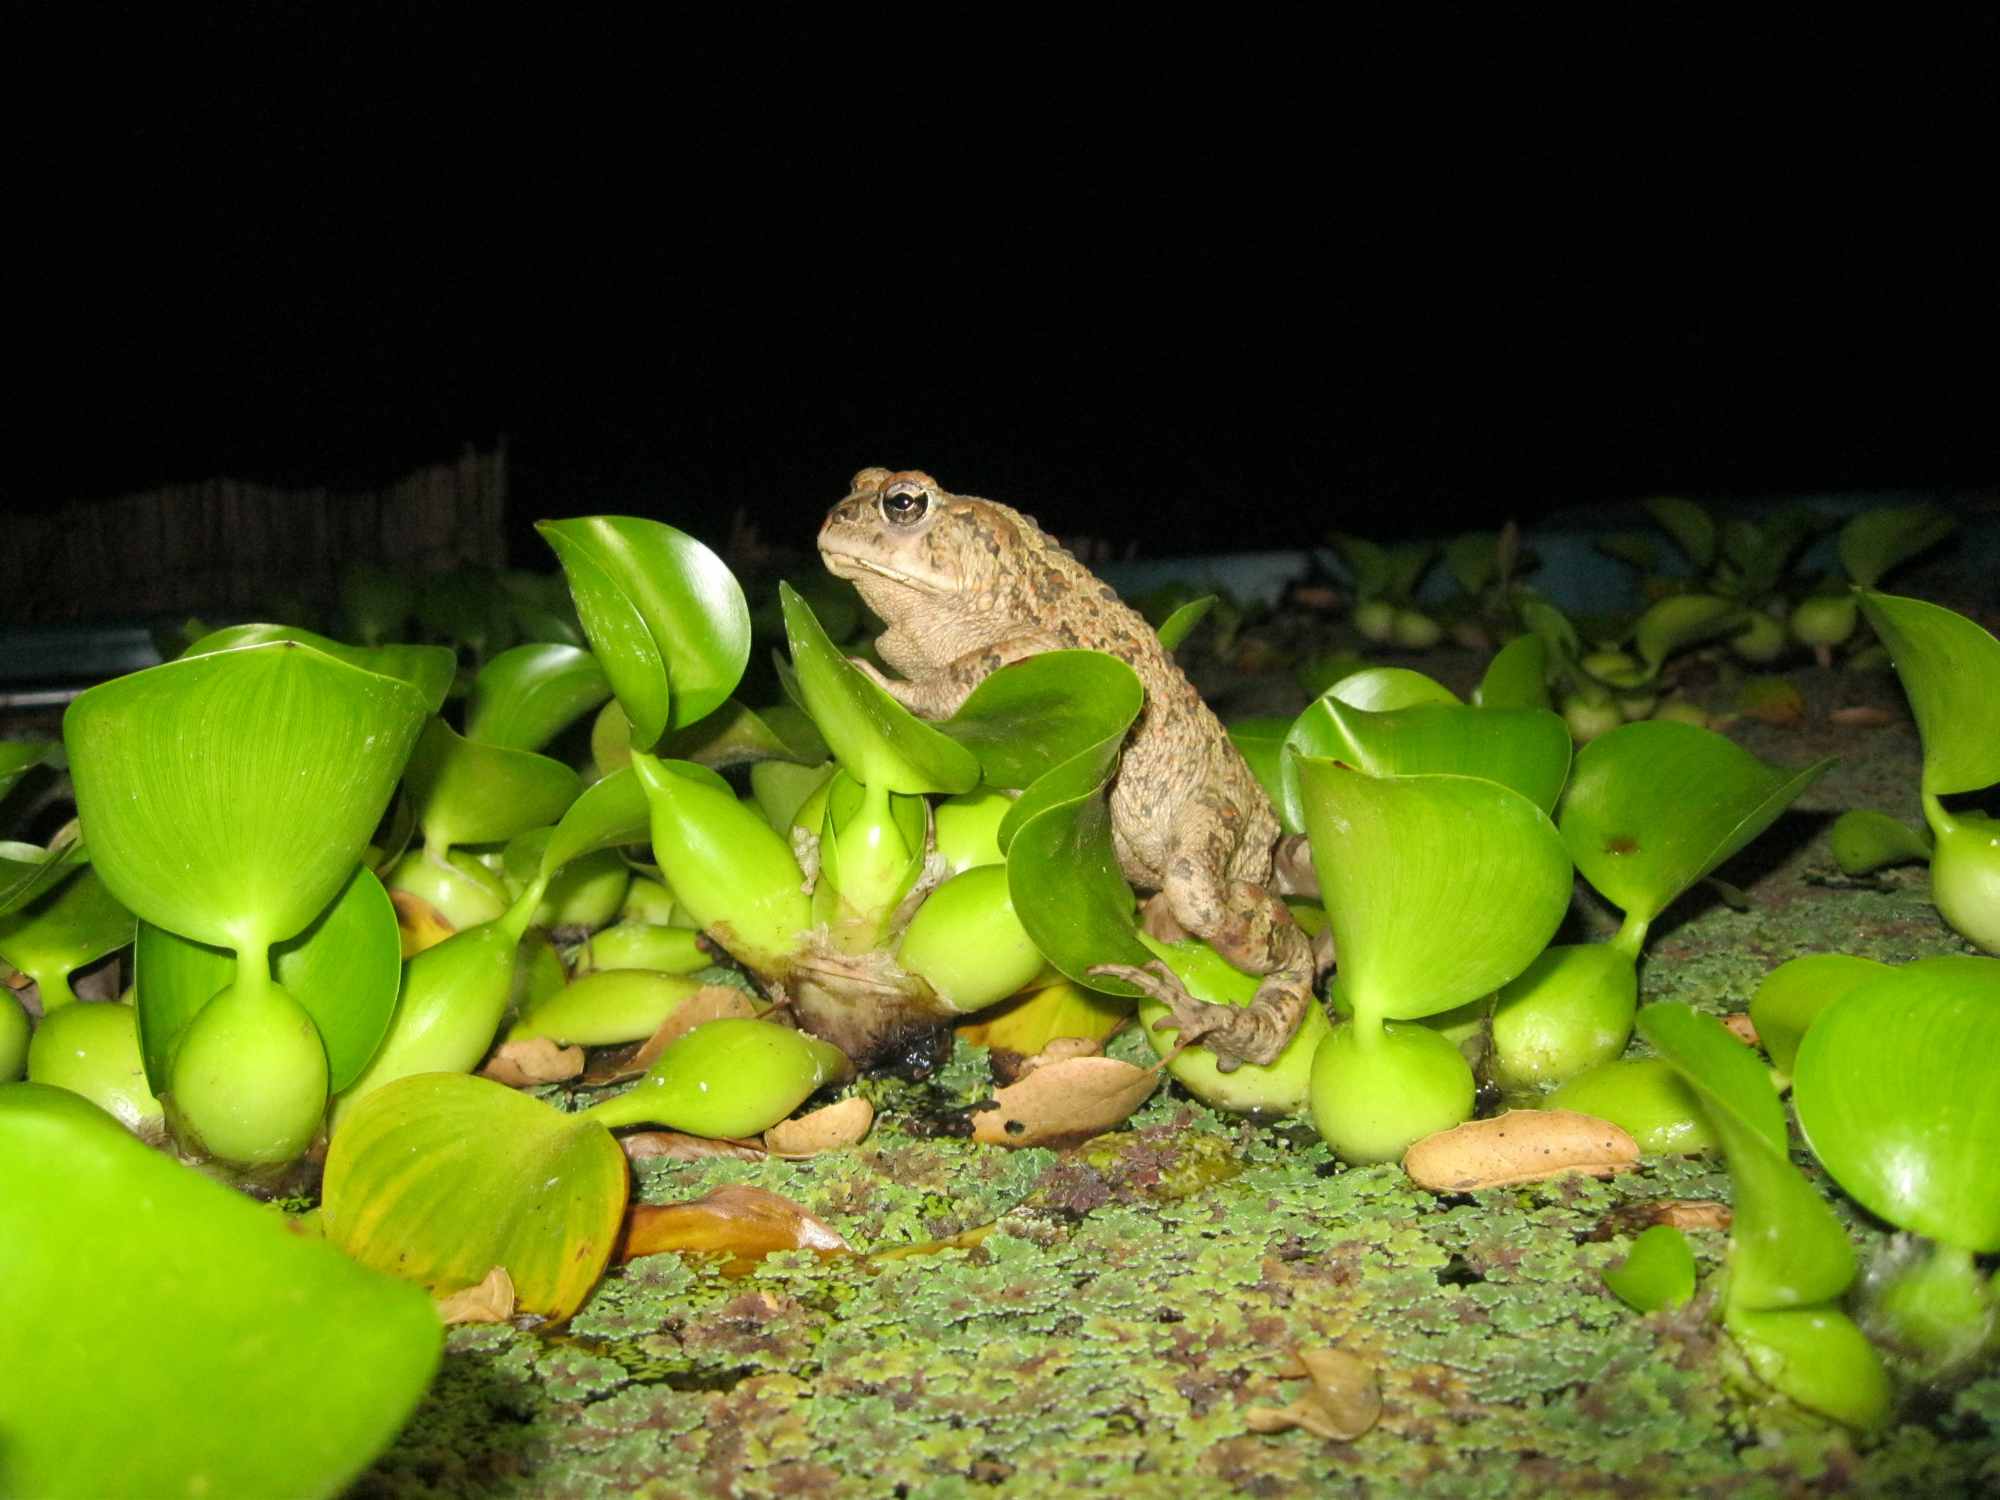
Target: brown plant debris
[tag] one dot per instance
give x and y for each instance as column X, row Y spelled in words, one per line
column 744, row 1223
column 1343, row 1402
column 1740, row 1026
column 1064, row 1103
column 537, row 1059
column 1522, row 1145
column 1677, row 1213
column 489, row 1301
column 829, row 1129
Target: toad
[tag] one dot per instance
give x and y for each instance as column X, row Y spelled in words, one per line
column 967, row 586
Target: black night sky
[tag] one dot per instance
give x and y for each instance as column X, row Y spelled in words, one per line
column 1232, row 293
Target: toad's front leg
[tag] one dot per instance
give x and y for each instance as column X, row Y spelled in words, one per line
column 1248, row 925
column 938, row 693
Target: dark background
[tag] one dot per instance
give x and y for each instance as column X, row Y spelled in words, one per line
column 1207, row 291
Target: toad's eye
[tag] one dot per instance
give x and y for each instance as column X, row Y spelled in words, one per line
column 905, row 504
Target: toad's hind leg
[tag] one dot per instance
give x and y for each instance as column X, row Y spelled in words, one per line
column 1247, row 924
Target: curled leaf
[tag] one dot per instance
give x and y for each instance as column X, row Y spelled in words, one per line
column 829, row 1129
column 1344, row 1402
column 1522, row 1145
column 676, row 1146
column 1064, row 1103
column 489, row 1301
column 745, row 1223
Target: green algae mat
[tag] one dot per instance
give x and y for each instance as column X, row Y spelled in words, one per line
column 1108, row 1315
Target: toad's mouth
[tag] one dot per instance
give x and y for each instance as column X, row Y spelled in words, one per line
column 853, row 567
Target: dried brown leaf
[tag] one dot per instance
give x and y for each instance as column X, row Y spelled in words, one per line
column 1740, row 1026
column 421, row 924
column 1522, row 1145
column 674, row 1146
column 1064, row 1103
column 1061, row 1049
column 745, row 1223
column 538, row 1059
column 1680, row 1213
column 829, row 1129
column 1771, row 700
column 491, row 1301
column 712, row 1002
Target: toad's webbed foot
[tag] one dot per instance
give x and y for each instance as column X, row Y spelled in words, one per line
column 1255, row 1033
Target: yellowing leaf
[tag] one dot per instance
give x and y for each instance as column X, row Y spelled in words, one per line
column 745, row 1223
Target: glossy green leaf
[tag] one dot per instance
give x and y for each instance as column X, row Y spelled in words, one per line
column 1647, row 1099
column 1950, row 669
column 1897, row 1085
column 1316, row 731
column 428, row 669
column 1877, row 540
column 606, row 1008
column 471, row 793
column 1261, row 743
column 781, row 789
column 728, row 1078
column 1552, row 628
column 1864, row 841
column 1517, row 677
column 876, row 740
column 1679, row 621
column 1064, row 876
column 609, row 814
column 1176, row 627
column 27, row 872
column 1658, row 1271
column 1440, row 888
column 63, row 930
column 344, row 970
column 167, row 1336
column 440, row 1177
column 527, row 695
column 1787, row 1248
column 228, row 798
column 1816, row 1356
column 730, row 870
column 665, row 617
column 737, row 736
column 1028, row 718
column 1527, row 749
column 1654, row 806
column 1791, row 996
column 1689, row 525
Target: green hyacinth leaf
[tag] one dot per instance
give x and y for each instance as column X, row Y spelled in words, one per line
column 876, row 740
column 1950, row 670
column 1658, row 1271
column 18, row 757
column 1440, row 888
column 664, row 615
column 27, row 872
column 1260, row 740
column 1864, row 841
column 1877, row 540
column 1692, row 527
column 428, row 669
column 1026, row 719
column 527, row 695
column 1177, row 626
column 343, row 970
column 1787, row 1248
column 735, row 735
column 182, row 1286
column 1063, row 873
column 471, row 793
column 63, row 930
column 1317, row 732
column 229, row 797
column 1527, row 749
column 1680, row 621
column 609, row 814
column 440, row 1177
column 1897, row 1085
column 1654, row 806
column 1517, row 677
column 1791, row 996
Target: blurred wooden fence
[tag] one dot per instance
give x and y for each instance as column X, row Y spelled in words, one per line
column 225, row 545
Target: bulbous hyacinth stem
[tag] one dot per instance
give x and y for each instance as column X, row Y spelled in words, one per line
column 249, row 1078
